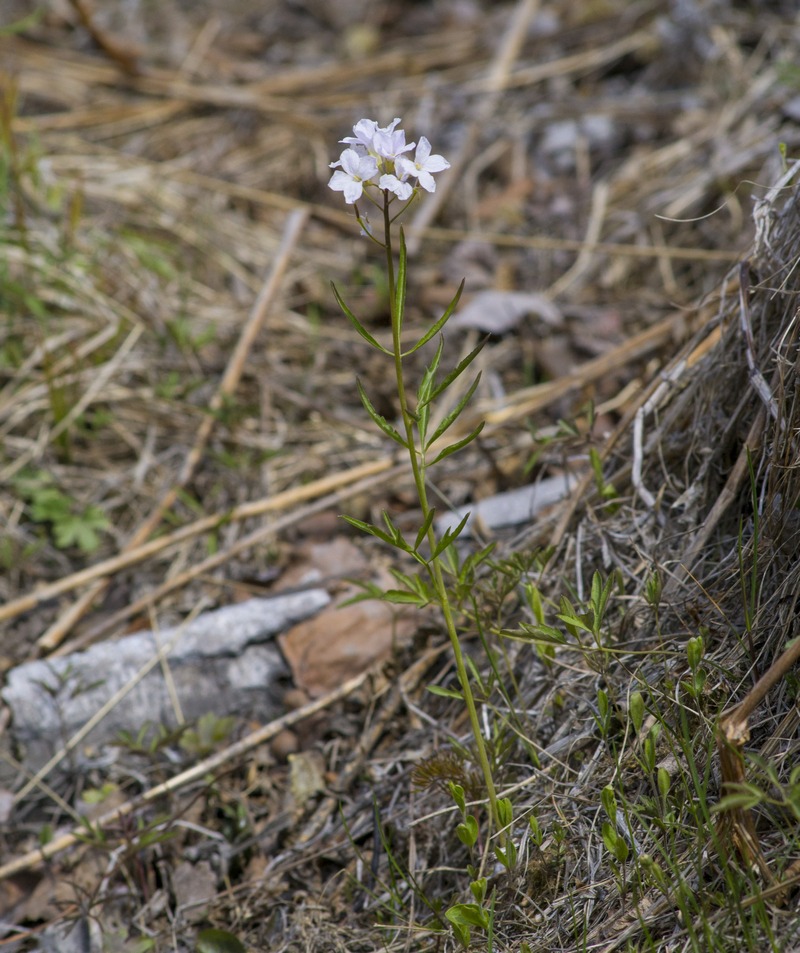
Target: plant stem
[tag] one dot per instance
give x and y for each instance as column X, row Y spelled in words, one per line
column 417, row 459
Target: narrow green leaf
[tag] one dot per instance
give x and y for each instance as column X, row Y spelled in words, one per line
column 536, row 633
column 382, row 423
column 357, row 324
column 370, row 591
column 449, row 419
column 401, row 597
column 445, row 692
column 449, row 536
column 426, row 384
column 573, row 623
column 397, row 536
column 609, row 801
column 424, row 390
column 458, row 445
column 636, row 710
column 400, row 286
column 476, row 675
column 436, row 328
column 457, row 371
column 746, row 796
column 423, row 530
column 369, row 528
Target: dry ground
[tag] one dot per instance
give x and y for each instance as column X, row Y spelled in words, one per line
column 178, row 417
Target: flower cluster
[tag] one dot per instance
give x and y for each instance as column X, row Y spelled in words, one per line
column 376, row 156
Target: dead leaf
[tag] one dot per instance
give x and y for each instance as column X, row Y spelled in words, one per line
column 340, row 642
column 306, row 776
column 498, row 312
column 194, row 885
column 334, row 559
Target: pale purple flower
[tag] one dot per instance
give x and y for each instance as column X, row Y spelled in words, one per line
column 375, row 156
column 401, row 189
column 365, row 130
column 389, row 143
column 356, row 171
column 422, row 165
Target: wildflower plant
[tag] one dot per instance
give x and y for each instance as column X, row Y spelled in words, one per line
column 379, row 167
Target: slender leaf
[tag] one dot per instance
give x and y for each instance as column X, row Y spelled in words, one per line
column 457, row 371
column 426, row 384
column 416, row 585
column 400, row 287
column 449, row 536
column 423, row 393
column 381, row 422
column 423, row 530
column 459, row 444
column 437, row 327
column 369, row 528
column 357, row 324
column 445, row 692
column 401, row 597
column 449, row 419
column 397, row 536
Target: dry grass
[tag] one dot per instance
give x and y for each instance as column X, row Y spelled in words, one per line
column 171, row 361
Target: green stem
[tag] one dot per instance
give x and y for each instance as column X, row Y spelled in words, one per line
column 417, row 459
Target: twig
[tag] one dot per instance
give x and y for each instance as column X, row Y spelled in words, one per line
column 124, row 58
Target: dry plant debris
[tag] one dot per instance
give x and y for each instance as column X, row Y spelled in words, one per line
column 178, row 416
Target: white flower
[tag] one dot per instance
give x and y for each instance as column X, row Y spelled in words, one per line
column 401, row 189
column 357, row 171
column 365, row 130
column 422, row 166
column 389, row 143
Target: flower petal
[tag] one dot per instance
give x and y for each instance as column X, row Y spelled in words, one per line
column 425, row 179
column 402, row 190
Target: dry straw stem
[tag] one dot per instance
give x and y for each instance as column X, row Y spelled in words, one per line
column 318, row 490
column 733, row 733
column 68, row 618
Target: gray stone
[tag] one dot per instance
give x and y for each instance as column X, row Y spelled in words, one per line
column 512, row 508
column 224, row 662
